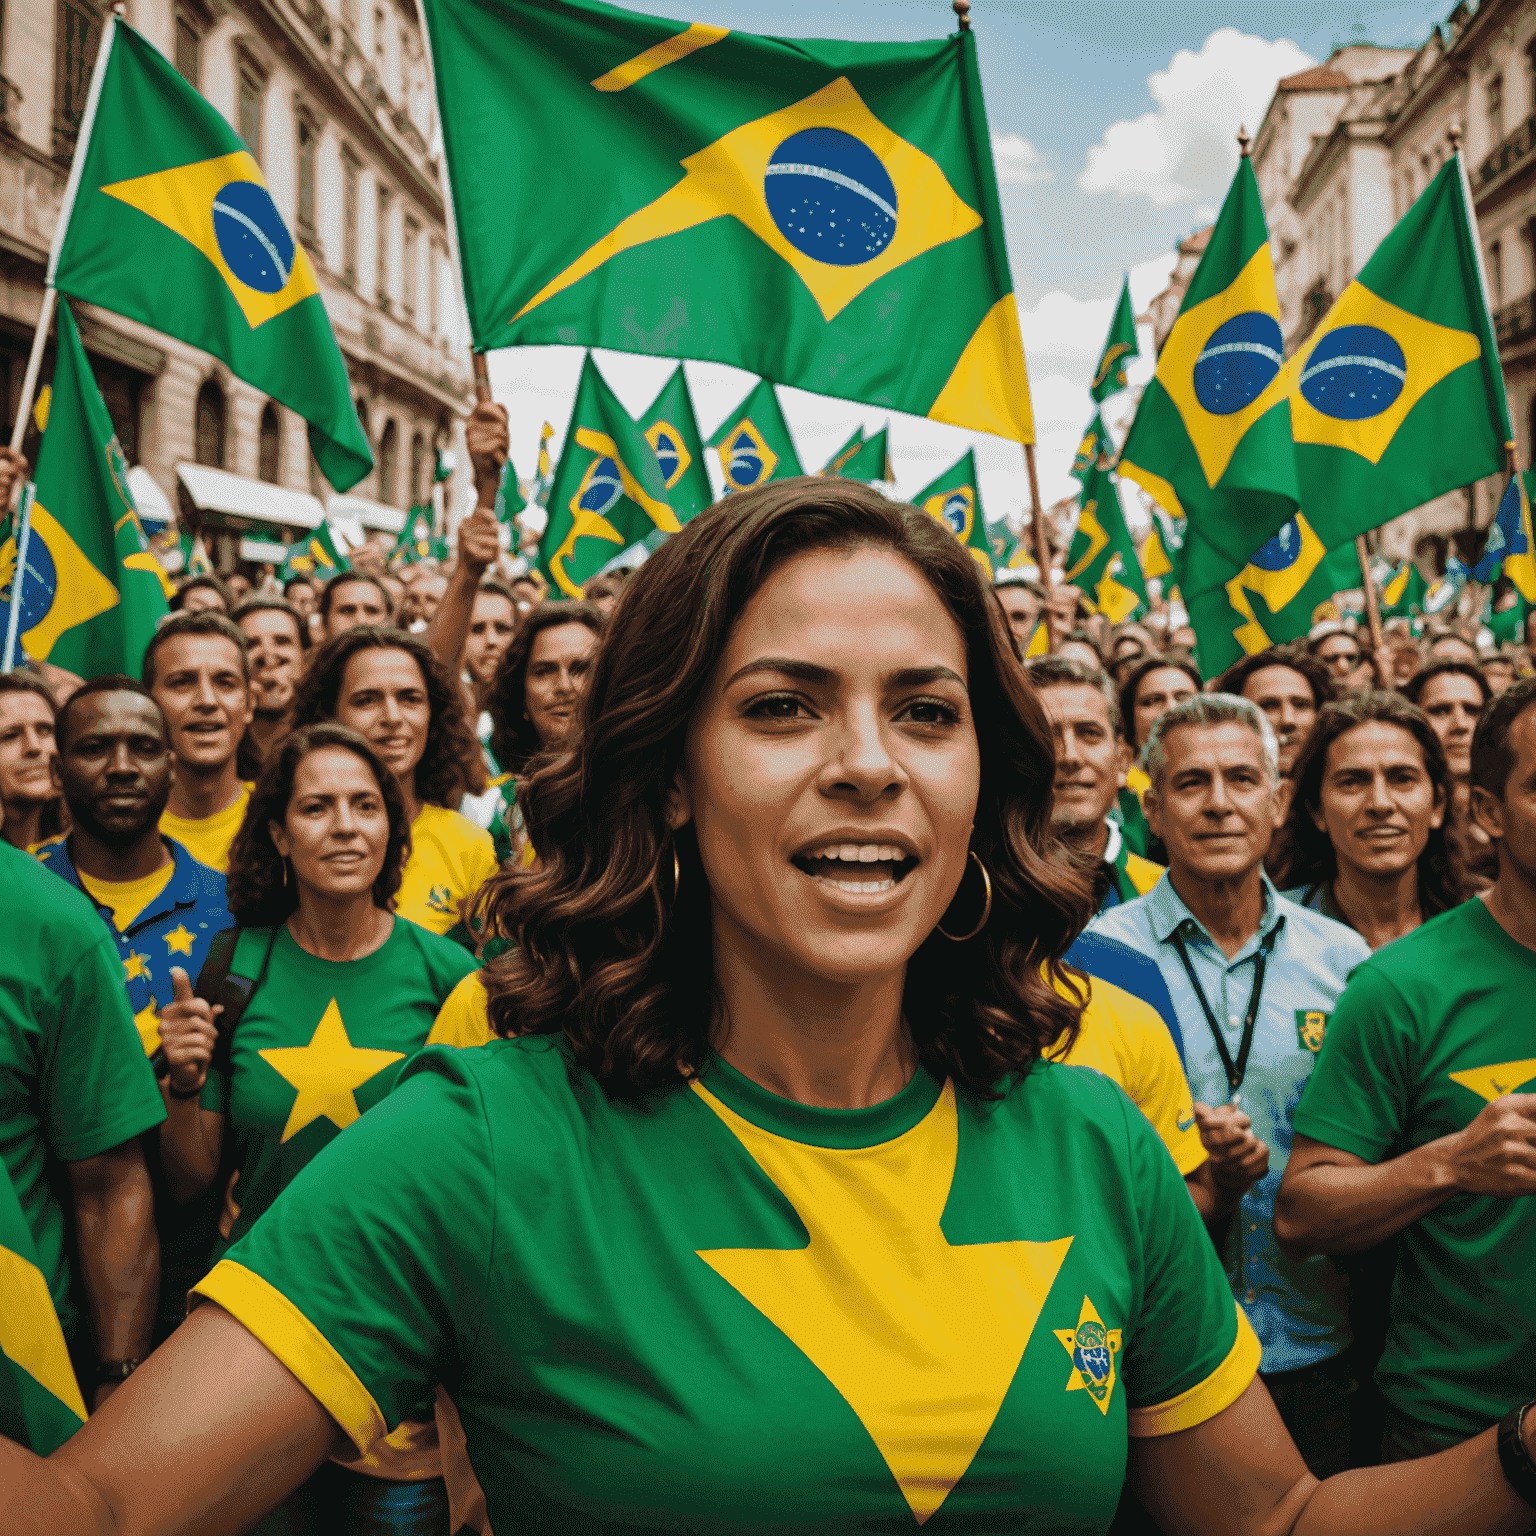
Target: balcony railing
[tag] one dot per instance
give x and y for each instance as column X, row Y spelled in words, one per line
column 1514, row 149
column 1516, row 323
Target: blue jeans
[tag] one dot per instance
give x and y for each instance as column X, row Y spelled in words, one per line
column 338, row 1502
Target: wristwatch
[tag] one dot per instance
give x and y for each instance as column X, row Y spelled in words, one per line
column 112, row 1372
column 1519, row 1469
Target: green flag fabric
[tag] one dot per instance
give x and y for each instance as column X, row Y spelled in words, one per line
column 872, row 461
column 91, row 592
column 1162, row 551
column 1119, row 347
column 1008, row 551
column 1508, row 625
column 1096, row 445
column 509, row 495
column 1401, row 595
column 954, row 499
column 834, row 465
column 608, row 492
column 1211, row 441
column 316, row 555
column 415, row 539
column 672, row 430
column 1397, row 396
column 173, row 225
column 1101, row 560
column 754, row 442
column 1274, row 598
column 824, row 214
column 194, row 555
column 40, row 1403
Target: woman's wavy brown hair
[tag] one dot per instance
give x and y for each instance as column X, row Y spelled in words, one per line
column 606, row 954
column 1309, row 854
column 260, row 895
column 513, row 738
column 451, row 764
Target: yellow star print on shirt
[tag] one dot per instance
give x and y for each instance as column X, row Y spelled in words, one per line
column 133, row 966
column 1093, row 1348
column 178, row 941
column 326, row 1072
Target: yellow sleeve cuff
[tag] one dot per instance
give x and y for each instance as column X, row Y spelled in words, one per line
column 1207, row 1398
column 1188, row 1151
column 265, row 1312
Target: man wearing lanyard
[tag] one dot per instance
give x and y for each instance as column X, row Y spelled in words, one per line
column 1254, row 980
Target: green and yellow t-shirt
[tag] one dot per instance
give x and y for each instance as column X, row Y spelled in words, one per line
column 451, row 858
column 208, row 838
column 713, row 1309
column 320, row 1042
column 1430, row 1030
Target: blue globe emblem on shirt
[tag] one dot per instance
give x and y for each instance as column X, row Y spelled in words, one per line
column 1354, row 373
column 1279, row 551
column 744, row 464
column 1238, row 363
column 603, row 488
column 668, row 456
column 253, row 240
column 830, row 197
column 1091, row 1355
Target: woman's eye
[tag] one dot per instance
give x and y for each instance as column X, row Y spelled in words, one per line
column 776, row 706
column 930, row 712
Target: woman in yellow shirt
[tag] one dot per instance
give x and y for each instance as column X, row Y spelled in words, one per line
column 389, row 688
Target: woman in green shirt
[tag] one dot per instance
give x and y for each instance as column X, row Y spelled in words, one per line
column 345, row 994
column 767, row 1214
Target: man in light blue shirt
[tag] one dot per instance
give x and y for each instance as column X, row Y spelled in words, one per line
column 1254, row 980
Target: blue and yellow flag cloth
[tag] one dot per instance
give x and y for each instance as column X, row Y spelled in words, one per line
column 1211, row 441
column 1101, row 559
column 1095, row 451
column 40, row 1404
column 608, row 494
column 317, row 555
column 672, row 430
column 754, row 444
column 1510, row 549
column 1401, row 594
column 173, row 225
column 824, row 214
column 954, row 499
column 1119, row 347
column 91, row 591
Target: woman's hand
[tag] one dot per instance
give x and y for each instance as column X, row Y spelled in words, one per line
column 188, row 1034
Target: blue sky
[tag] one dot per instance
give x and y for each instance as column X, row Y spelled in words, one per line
column 1113, row 129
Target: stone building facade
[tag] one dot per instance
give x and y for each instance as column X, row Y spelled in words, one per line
column 334, row 99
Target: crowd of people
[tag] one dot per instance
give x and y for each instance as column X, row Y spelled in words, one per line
column 749, row 1050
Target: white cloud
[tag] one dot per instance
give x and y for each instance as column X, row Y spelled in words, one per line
column 1186, row 148
column 1018, row 161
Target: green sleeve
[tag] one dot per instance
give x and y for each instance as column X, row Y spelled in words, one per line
column 1191, row 1352
column 97, row 1089
column 368, row 1276
column 1358, row 1095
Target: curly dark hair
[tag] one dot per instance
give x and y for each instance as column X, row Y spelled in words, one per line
column 626, row 972
column 1138, row 675
column 451, row 763
column 259, row 895
column 513, row 739
column 1310, row 858
column 1318, row 677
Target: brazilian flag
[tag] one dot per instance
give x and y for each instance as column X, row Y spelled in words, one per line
column 1397, row 396
column 754, row 442
column 1273, row 598
column 954, row 499
column 1508, row 625
column 672, row 430
column 1162, row 551
column 1119, row 347
column 1101, row 560
column 1402, row 594
column 834, row 465
column 872, row 461
column 608, row 493
column 1095, row 446
column 173, row 225
column 40, row 1404
column 824, row 214
column 315, row 555
column 194, row 555
column 1211, row 441
column 1005, row 549
column 509, row 496
column 414, row 541
column 1510, row 547
column 90, row 593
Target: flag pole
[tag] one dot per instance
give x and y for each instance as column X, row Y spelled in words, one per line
column 1372, row 606
column 23, row 539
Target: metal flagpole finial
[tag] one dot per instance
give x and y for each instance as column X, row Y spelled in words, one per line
column 1244, row 143
column 962, row 9
column 120, row 11
column 1453, row 133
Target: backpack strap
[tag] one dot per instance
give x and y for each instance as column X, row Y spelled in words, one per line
column 219, row 983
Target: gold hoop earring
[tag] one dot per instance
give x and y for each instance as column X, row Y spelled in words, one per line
column 986, row 909
column 677, row 873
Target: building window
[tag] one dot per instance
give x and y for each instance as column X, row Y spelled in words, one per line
column 208, row 428
column 389, row 453
column 350, row 167
column 269, row 445
column 79, row 38
column 1496, row 272
column 410, row 257
column 418, row 469
column 188, row 45
column 308, row 140
column 252, row 87
column 381, row 248
column 1493, row 95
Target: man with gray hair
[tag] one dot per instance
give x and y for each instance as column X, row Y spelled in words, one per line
column 1254, row 980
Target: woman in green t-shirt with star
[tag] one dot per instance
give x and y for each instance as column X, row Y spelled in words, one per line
column 767, row 1214
column 345, row 994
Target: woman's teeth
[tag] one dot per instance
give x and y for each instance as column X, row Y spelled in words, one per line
column 878, row 864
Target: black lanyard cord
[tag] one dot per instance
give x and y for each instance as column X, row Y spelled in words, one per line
column 1236, row 1071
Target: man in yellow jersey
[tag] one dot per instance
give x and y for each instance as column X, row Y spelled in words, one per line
column 1091, row 762
column 160, row 907
column 197, row 668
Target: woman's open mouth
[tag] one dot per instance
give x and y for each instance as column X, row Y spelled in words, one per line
column 860, row 868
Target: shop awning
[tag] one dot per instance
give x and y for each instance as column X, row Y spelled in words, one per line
column 155, row 510
column 371, row 514
column 215, row 490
